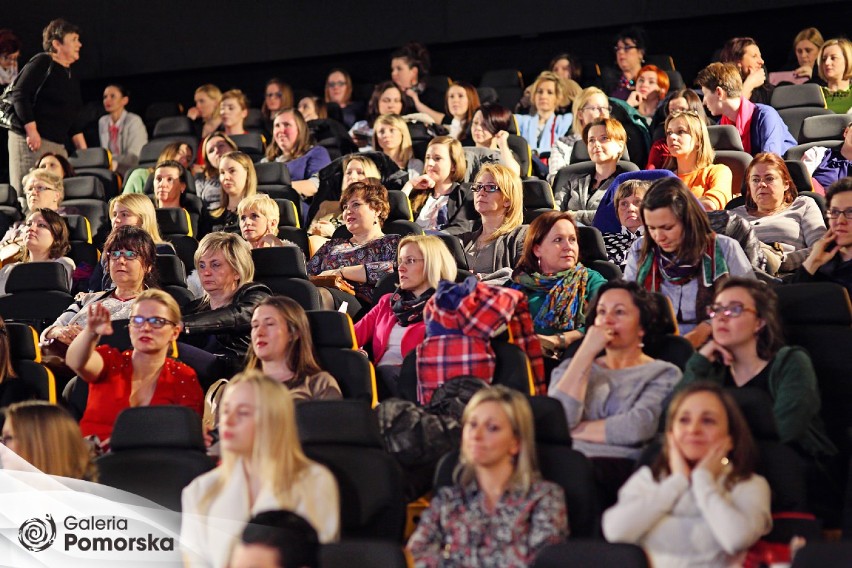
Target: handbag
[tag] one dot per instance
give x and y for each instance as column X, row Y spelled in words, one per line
column 8, row 118
column 333, row 281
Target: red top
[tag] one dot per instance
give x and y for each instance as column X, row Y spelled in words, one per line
column 109, row 393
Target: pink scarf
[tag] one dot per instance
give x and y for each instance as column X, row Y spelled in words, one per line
column 743, row 122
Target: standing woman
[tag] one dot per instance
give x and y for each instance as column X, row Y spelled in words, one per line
column 744, row 53
column 495, row 247
column 207, row 184
column 629, row 51
column 409, row 68
column 680, row 256
column 263, row 468
column 542, row 127
column 122, row 133
column 462, row 101
column 591, row 104
column 437, row 199
column 293, row 145
column 691, row 158
column 392, row 137
column 338, row 90
column 835, row 68
column 558, row 287
column 205, row 113
column 499, row 512
column 49, row 118
column 277, row 96
column 702, row 484
column 142, row 376
column 239, row 180
column 282, row 347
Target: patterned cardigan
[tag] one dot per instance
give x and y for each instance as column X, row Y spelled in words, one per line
column 378, row 257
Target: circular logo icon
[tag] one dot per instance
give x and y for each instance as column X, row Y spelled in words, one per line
column 35, row 534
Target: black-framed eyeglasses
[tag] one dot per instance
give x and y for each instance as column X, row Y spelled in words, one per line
column 836, row 213
column 410, row 260
column 486, row 187
column 155, row 322
column 127, row 254
column 277, row 95
column 336, row 83
column 625, row 48
column 734, row 310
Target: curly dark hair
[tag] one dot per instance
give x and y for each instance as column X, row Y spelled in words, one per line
column 373, row 192
column 140, row 242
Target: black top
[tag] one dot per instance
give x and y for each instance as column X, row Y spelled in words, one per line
column 759, row 381
column 56, row 110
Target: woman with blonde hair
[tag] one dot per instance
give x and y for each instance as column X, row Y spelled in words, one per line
column 239, row 180
column 494, row 248
column 391, row 136
column 544, row 126
column 395, row 324
column 691, row 158
column 806, row 46
column 263, row 467
column 591, row 104
column 233, row 110
column 292, row 144
column 499, row 511
column 207, row 184
column 205, row 113
column 49, row 439
column 259, row 217
column 835, row 68
column 281, row 345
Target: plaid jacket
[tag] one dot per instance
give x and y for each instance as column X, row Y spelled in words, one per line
column 460, row 321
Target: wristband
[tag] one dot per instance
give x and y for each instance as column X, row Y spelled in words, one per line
column 562, row 343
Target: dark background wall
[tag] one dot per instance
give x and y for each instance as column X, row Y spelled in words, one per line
column 163, row 49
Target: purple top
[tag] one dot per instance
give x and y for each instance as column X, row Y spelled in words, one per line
column 304, row 167
column 832, row 168
column 378, row 257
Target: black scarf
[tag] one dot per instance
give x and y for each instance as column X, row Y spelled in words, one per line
column 407, row 307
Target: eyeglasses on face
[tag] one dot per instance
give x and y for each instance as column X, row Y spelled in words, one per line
column 276, row 95
column 733, row 310
column 836, row 213
column 155, row 322
column 486, row 187
column 39, row 189
column 127, row 254
column 336, row 84
column 623, row 48
column 410, row 260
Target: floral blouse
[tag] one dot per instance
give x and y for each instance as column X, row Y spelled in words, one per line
column 458, row 530
column 378, row 257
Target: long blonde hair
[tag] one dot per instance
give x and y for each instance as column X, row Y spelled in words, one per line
column 511, row 189
column 251, row 180
column 395, row 121
column 704, row 154
column 277, row 456
column 141, row 206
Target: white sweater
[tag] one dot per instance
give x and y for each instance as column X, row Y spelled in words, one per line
column 690, row 525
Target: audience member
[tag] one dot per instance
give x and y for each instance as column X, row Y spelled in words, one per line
column 176, row 152
column 233, row 110
column 462, row 101
column 263, row 468
column 142, row 376
column 45, row 240
column 629, row 51
column 543, row 126
column 293, row 144
column 589, row 105
column 259, row 216
column 387, row 98
column 207, row 184
column 205, row 113
column 238, row 179
column 499, row 511
column 627, row 203
column 744, row 53
column 761, row 127
column 702, row 484
column 828, row 165
column 806, row 46
column 489, row 132
column 835, row 68
column 312, row 108
column 652, row 85
column 122, row 133
column 391, row 136
column 277, row 539
column 338, row 90
column 680, row 100
column 56, row 164
column 409, row 69
column 356, row 167
column 277, row 96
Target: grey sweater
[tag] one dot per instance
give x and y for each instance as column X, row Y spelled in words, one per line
column 629, row 400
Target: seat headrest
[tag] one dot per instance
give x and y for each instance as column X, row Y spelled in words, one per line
column 272, row 173
column 824, row 127
column 171, row 270
column 173, row 126
column 757, row 408
column 792, row 96
column 813, row 303
column 280, row 262
column 487, row 94
column 250, row 142
column 79, row 228
column 592, row 245
column 173, row 221
column 8, row 195
column 175, row 427
column 725, row 137
column 23, row 342
column 332, row 329
column 537, row 194
column 400, row 207
column 254, row 119
column 288, row 213
column 83, row 187
column 150, row 152
column 37, row 276
column 90, row 158
column 551, row 426
column 354, row 423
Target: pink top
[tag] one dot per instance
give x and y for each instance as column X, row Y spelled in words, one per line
column 377, row 325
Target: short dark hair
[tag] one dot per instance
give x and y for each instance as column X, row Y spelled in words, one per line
column 9, row 42
column 634, row 33
column 495, row 118
column 642, row 299
column 415, row 55
column 57, row 30
column 770, row 338
column 140, row 242
column 67, row 168
column 840, row 186
column 673, row 193
column 295, row 540
column 536, row 233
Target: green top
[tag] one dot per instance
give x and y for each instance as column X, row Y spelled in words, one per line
column 536, row 299
column 792, row 387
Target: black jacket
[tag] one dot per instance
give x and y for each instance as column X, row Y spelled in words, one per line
column 224, row 331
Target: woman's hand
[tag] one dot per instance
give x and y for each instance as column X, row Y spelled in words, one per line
column 754, row 80
column 597, row 338
column 65, row 333
column 716, row 458
column 823, row 250
column 33, row 137
column 714, row 352
column 635, row 99
column 677, row 463
column 99, row 320
column 193, row 113
column 423, row 181
column 804, row 71
column 197, row 169
column 322, row 228
column 500, row 140
column 412, row 94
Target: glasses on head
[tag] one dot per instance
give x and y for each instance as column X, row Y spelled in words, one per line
column 410, row 260
column 126, row 254
column 687, row 112
column 39, row 188
column 836, row 213
column 734, row 310
column 336, row 84
column 623, row 48
column 602, row 110
column 155, row 322
column 486, row 187
column 276, row 95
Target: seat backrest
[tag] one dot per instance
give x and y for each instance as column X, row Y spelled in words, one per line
column 400, row 206
column 254, row 120
column 738, row 163
column 251, row 143
column 90, row 158
column 97, row 212
column 725, row 137
column 334, row 339
column 83, row 187
column 188, row 179
column 795, row 96
column 26, row 361
column 454, row 245
column 173, row 221
column 370, row 554
column 502, row 78
column 288, row 214
column 150, row 152
column 538, row 194
column 796, row 152
column 801, row 177
column 282, row 262
column 824, row 127
column 795, row 117
column 521, row 149
column 580, row 153
column 592, row 246
column 9, row 204
column 171, row 270
column 592, row 553
column 512, row 368
column 297, row 236
column 272, row 173
column 173, row 126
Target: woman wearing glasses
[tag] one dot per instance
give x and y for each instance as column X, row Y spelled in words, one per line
column 830, row 256
column 142, row 376
column 691, row 158
column 277, row 96
column 747, row 350
column 43, row 190
column 338, row 90
column 591, row 104
column 495, row 247
column 629, row 51
column 132, row 268
column 395, row 324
